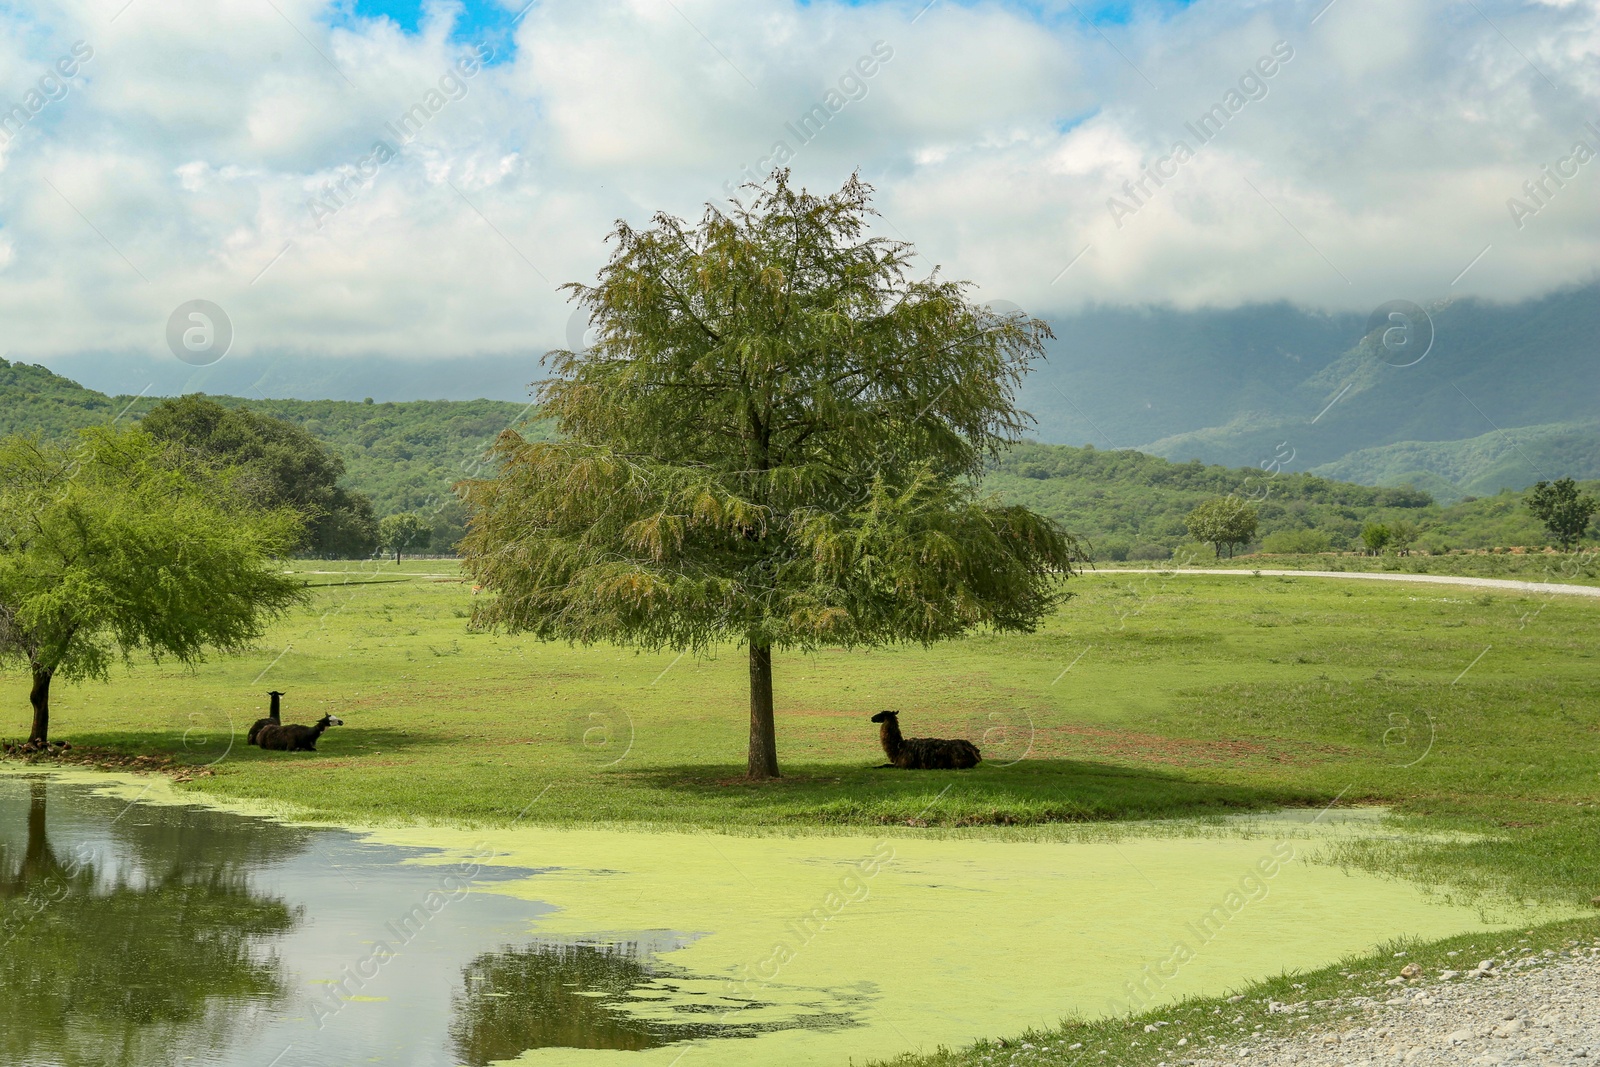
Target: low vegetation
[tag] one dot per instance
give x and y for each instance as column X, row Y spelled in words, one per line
column 1133, row 506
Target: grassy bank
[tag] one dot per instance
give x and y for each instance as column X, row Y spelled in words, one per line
column 1148, row 696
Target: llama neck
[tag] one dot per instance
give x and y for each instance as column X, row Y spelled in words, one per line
column 316, row 731
column 889, row 737
column 273, row 713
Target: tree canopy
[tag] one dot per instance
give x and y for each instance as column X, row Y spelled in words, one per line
column 776, row 439
column 1376, row 536
column 280, row 464
column 400, row 532
column 121, row 544
column 1224, row 522
column 1563, row 508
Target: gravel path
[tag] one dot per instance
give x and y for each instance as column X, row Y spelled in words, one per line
column 1379, row 576
column 1542, row 1009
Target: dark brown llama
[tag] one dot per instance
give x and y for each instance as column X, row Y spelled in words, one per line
column 274, row 718
column 922, row 753
column 295, row 738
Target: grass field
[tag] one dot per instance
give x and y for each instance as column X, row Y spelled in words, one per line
column 1147, row 696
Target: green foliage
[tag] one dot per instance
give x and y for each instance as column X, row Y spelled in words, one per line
column 407, row 456
column 1289, row 542
column 1127, row 498
column 1564, row 510
column 1222, row 521
column 278, row 465
column 120, row 544
column 1402, row 535
column 1376, row 536
column 37, row 402
column 398, row 533
column 777, row 438
column 404, row 456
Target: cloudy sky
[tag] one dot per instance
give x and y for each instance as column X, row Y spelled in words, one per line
column 237, row 151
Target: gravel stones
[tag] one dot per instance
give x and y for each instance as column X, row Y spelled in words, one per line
column 1541, row 1011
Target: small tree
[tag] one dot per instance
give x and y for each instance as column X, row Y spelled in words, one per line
column 1402, row 535
column 1223, row 521
column 404, row 531
column 119, row 545
column 1564, row 510
column 1376, row 536
column 778, row 439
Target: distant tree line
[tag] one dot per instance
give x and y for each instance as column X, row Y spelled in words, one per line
column 1132, row 506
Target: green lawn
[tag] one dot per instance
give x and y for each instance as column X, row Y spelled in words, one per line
column 1147, row 696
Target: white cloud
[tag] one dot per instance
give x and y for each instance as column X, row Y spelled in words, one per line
column 187, row 149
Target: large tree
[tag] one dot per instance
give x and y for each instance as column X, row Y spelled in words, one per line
column 776, row 439
column 121, row 544
column 1563, row 508
column 280, row 465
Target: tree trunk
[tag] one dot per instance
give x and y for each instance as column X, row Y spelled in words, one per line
column 40, row 699
column 397, row 557
column 763, row 732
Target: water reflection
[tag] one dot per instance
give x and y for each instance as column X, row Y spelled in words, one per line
column 606, row 995
column 543, row 996
column 136, row 934
column 122, row 949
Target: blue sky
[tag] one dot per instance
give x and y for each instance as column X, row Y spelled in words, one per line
column 478, row 20
column 487, row 18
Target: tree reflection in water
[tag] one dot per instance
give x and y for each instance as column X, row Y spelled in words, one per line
column 135, row 941
column 575, row 994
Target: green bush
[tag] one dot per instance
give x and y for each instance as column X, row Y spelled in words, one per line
column 1111, row 549
column 1296, row 542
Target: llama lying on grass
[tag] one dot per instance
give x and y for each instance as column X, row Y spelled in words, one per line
column 295, row 738
column 922, row 753
column 273, row 718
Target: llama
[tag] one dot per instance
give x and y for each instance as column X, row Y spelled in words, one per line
column 274, row 718
column 295, row 738
column 922, row 753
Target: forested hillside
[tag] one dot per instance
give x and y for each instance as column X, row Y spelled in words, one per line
column 1130, row 505
column 405, row 456
column 1127, row 504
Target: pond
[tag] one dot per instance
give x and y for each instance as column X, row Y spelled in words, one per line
column 139, row 932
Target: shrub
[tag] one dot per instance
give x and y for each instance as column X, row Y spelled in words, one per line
column 1375, row 535
column 1293, row 542
column 1113, row 550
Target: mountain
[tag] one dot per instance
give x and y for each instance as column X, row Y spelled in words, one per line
column 1250, row 385
column 1239, row 387
column 1124, row 502
column 1477, row 466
